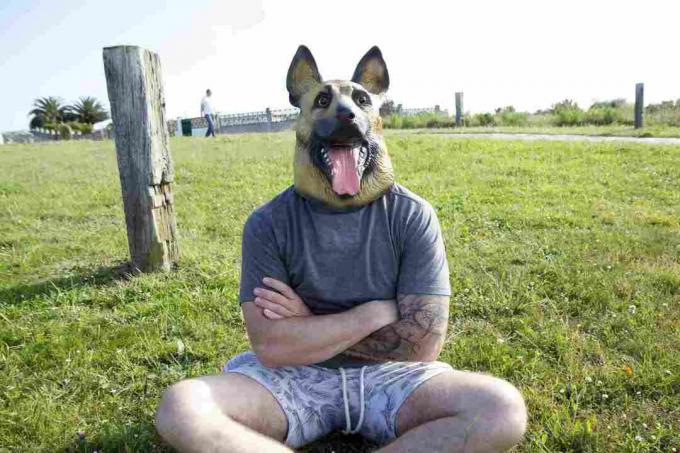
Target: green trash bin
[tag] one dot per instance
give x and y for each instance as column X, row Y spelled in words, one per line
column 186, row 128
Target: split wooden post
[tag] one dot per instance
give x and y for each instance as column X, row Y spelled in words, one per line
column 133, row 79
column 459, row 108
column 639, row 104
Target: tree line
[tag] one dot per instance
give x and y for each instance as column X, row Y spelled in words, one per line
column 53, row 114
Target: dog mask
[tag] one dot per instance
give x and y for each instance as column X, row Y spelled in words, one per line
column 340, row 156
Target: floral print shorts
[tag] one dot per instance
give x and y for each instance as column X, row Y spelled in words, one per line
column 316, row 402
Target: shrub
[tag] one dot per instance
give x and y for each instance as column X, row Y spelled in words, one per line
column 408, row 122
column 83, row 128
column 569, row 117
column 392, row 121
column 666, row 112
column 513, row 119
column 482, row 119
column 398, row 121
column 421, row 120
column 615, row 111
column 663, row 117
column 507, row 116
column 601, row 115
column 438, row 120
column 567, row 113
column 540, row 120
column 64, row 131
column 433, row 122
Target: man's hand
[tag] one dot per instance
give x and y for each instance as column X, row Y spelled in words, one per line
column 281, row 303
column 285, row 303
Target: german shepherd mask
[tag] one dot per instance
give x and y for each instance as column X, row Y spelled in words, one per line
column 340, row 156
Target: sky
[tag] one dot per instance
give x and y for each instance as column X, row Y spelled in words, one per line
column 529, row 54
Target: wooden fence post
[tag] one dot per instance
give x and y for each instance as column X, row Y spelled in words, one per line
column 459, row 108
column 268, row 114
column 133, row 79
column 639, row 104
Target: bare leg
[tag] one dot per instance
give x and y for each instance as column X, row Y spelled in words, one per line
column 460, row 412
column 223, row 413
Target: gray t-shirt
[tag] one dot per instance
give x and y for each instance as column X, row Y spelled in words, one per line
column 335, row 260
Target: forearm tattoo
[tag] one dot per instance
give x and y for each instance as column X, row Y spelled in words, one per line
column 417, row 336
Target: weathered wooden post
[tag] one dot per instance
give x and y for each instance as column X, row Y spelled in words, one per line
column 459, row 108
column 133, row 79
column 639, row 104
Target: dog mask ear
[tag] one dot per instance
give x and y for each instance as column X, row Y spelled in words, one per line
column 371, row 72
column 302, row 75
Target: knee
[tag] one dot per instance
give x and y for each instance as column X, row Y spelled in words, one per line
column 181, row 403
column 508, row 413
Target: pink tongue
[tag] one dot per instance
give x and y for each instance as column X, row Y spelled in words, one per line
column 345, row 177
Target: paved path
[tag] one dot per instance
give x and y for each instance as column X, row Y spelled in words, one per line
column 567, row 138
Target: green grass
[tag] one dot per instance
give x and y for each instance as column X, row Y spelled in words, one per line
column 565, row 269
column 606, row 131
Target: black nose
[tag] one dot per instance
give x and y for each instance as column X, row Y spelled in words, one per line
column 344, row 113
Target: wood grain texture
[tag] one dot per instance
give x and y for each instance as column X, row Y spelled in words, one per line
column 135, row 89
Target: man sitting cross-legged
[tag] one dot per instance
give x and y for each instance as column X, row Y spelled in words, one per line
column 345, row 295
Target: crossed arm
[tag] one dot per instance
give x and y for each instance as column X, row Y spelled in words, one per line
column 283, row 331
column 417, row 336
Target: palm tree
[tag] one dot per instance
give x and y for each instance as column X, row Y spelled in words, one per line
column 47, row 110
column 88, row 110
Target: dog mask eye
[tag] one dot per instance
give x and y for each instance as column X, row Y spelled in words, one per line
column 362, row 99
column 323, row 100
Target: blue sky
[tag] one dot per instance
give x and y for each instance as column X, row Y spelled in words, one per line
column 525, row 53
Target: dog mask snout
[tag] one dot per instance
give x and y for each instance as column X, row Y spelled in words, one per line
column 336, row 129
column 344, row 113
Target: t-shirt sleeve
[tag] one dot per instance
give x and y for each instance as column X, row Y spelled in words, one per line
column 259, row 256
column 423, row 268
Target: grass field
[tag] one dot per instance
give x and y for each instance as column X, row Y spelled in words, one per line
column 565, row 267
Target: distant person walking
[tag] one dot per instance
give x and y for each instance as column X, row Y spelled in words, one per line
column 207, row 112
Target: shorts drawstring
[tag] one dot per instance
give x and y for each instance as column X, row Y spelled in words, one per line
column 348, row 428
